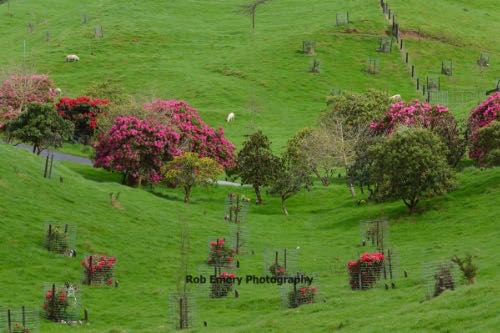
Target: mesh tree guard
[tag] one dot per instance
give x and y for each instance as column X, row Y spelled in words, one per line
column 281, row 262
column 220, row 283
column 300, row 292
column 20, row 320
column 365, row 271
column 440, row 276
column 385, row 45
column 60, row 238
column 98, row 270
column 342, row 19
column 433, row 83
column 61, row 302
column 309, row 47
column 447, row 67
column 236, row 208
column 240, row 239
column 182, row 311
column 373, row 66
column 484, row 60
column 375, row 234
column 221, row 252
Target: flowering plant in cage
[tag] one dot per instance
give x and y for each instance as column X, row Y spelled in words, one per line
column 56, row 240
column 55, row 304
column 277, row 270
column 20, row 328
column 98, row 269
column 302, row 295
column 364, row 272
column 222, row 285
column 220, row 254
column 237, row 203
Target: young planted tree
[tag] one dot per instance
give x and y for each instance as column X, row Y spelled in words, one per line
column 41, row 126
column 291, row 177
column 411, row 164
column 250, row 9
column 189, row 170
column 256, row 164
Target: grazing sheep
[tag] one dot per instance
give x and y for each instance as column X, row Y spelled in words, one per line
column 58, row 91
column 395, row 98
column 230, row 117
column 72, row 57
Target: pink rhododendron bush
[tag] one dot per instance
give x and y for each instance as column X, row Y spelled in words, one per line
column 20, row 90
column 436, row 118
column 195, row 135
column 483, row 116
column 137, row 148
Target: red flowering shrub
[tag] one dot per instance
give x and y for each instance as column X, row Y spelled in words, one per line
column 98, row 270
column 222, row 285
column 481, row 117
column 436, row 118
column 83, row 112
column 220, row 254
column 195, row 135
column 20, row 90
column 277, row 270
column 137, row 148
column 364, row 272
column 55, row 304
column 302, row 295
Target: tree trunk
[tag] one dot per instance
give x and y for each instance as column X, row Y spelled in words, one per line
column 34, row 149
column 139, row 181
column 351, row 184
column 187, row 193
column 283, row 206
column 324, row 179
column 344, row 159
column 412, row 204
column 258, row 201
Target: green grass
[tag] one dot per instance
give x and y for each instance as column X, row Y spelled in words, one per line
column 144, row 235
column 77, row 150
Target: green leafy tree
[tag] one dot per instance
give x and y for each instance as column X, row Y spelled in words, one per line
column 256, row 164
column 41, row 126
column 488, row 142
column 291, row 177
column 410, row 164
column 189, row 170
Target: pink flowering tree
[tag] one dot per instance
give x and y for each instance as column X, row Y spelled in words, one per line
column 137, row 148
column 436, row 118
column 17, row 91
column 195, row 135
column 483, row 116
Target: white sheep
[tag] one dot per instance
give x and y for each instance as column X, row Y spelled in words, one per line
column 230, row 117
column 58, row 91
column 72, row 57
column 395, row 98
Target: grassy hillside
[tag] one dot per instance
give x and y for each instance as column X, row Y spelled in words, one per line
column 144, row 235
column 206, row 54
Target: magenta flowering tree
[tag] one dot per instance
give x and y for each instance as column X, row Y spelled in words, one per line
column 137, row 148
column 482, row 116
column 195, row 135
column 436, row 118
column 17, row 91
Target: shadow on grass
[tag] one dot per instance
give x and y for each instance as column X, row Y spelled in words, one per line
column 94, row 174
